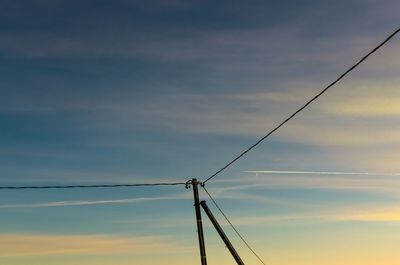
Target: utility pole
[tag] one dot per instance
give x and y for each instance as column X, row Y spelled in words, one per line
column 221, row 233
column 199, row 222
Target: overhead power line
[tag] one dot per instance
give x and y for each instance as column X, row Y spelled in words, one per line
column 233, row 227
column 304, row 106
column 92, row 186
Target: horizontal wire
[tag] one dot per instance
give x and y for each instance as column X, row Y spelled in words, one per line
column 91, row 186
column 305, row 105
column 233, row 227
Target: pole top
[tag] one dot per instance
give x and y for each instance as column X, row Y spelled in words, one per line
column 193, row 181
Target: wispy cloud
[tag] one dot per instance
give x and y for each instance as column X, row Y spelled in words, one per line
column 15, row 245
column 377, row 98
column 344, row 214
column 294, row 172
column 368, row 183
column 330, row 122
column 95, row 202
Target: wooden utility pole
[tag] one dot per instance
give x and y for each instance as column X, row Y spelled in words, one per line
column 199, row 222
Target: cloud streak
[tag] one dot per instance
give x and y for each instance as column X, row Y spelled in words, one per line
column 17, row 245
column 360, row 183
column 320, row 173
column 182, row 196
column 343, row 214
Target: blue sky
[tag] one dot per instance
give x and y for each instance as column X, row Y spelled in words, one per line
column 133, row 92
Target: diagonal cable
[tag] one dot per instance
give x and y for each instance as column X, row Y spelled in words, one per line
column 305, row 105
column 233, row 227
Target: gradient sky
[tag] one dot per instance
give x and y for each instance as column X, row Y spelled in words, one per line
column 147, row 91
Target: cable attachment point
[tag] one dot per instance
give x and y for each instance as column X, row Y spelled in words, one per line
column 188, row 183
column 193, row 182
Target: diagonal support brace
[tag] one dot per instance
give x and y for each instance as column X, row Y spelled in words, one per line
column 221, row 233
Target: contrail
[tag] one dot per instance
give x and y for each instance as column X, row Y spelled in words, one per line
column 93, row 202
column 321, row 172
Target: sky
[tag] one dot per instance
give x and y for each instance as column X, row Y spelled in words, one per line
column 111, row 92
